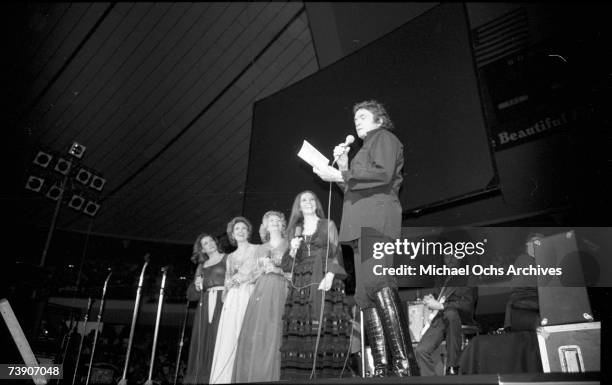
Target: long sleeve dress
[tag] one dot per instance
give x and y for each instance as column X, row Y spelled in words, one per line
column 302, row 309
column 232, row 314
column 206, row 321
column 258, row 357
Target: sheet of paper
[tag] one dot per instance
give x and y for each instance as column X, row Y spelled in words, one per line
column 312, row 156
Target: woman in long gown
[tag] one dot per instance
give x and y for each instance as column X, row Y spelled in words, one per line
column 258, row 357
column 240, row 275
column 207, row 288
column 313, row 262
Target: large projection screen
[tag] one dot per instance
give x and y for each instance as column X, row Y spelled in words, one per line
column 424, row 72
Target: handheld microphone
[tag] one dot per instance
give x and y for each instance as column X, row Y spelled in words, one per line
column 350, row 139
column 298, row 234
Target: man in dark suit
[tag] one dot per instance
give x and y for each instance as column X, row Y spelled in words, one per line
column 371, row 187
column 522, row 308
column 454, row 305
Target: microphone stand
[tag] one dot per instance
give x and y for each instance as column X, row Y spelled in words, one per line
column 182, row 339
column 76, row 366
column 181, row 342
column 362, row 342
column 123, row 380
column 66, row 339
column 159, row 308
column 95, row 341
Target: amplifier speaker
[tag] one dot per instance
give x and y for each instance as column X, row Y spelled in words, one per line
column 563, row 298
column 571, row 348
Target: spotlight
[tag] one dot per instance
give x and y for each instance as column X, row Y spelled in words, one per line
column 63, row 166
column 97, row 182
column 77, row 150
column 42, row 159
column 54, row 192
column 76, row 202
column 83, row 176
column 34, row 183
column 91, row 208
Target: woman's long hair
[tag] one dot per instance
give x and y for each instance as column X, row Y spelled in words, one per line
column 199, row 254
column 297, row 218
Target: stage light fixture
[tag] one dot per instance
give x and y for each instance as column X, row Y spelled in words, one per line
column 54, row 192
column 83, row 176
column 34, row 183
column 76, row 202
column 91, row 208
column 42, row 159
column 63, row 166
column 97, row 182
column 77, row 150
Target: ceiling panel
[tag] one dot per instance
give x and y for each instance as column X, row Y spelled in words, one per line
column 162, row 96
column 58, row 45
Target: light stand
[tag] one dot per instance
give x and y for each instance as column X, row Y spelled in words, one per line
column 53, row 221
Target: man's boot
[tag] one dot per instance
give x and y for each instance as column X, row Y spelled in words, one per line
column 403, row 361
column 374, row 331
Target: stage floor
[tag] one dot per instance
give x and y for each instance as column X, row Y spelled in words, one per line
column 479, row 379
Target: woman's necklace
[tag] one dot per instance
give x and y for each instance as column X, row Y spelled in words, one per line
column 310, row 227
column 307, row 239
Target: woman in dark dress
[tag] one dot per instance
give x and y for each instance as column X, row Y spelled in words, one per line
column 207, row 288
column 315, row 272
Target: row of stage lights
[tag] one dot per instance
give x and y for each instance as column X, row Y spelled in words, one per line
column 52, row 170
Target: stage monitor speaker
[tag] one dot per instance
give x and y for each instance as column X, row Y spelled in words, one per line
column 563, row 298
column 570, row 348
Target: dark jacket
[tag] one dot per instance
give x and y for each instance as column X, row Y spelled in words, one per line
column 462, row 299
column 371, row 187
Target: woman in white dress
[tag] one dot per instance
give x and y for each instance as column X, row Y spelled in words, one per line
column 240, row 275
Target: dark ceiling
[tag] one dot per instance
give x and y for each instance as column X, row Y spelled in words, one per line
column 161, row 95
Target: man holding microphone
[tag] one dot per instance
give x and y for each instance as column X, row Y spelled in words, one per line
column 371, row 185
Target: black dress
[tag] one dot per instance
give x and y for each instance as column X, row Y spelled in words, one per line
column 302, row 310
column 206, row 322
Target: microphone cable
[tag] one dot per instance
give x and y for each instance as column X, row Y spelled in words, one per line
column 323, row 294
column 350, row 345
column 200, row 273
column 313, row 373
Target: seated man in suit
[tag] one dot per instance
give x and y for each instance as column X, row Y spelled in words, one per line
column 522, row 308
column 454, row 306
